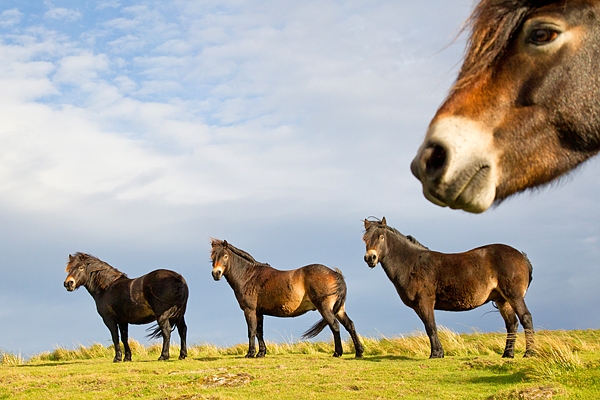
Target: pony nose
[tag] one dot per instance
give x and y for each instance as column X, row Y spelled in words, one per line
column 430, row 163
column 216, row 274
column 371, row 259
column 69, row 284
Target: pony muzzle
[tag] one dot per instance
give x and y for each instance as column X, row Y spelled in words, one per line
column 70, row 284
column 217, row 273
column 371, row 258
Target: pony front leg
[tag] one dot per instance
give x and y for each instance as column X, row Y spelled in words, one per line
column 262, row 348
column 427, row 316
column 124, row 328
column 114, row 333
column 251, row 321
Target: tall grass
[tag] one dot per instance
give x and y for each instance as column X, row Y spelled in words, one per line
column 557, row 351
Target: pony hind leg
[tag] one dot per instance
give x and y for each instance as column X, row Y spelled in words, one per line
column 165, row 328
column 512, row 324
column 330, row 318
column 527, row 322
column 349, row 326
column 182, row 330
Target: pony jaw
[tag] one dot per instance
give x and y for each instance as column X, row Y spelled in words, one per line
column 457, row 165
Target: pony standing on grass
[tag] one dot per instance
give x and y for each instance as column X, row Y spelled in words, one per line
column 427, row 280
column 262, row 290
column 159, row 296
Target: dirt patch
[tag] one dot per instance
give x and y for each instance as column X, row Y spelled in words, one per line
column 530, row 393
column 226, row 380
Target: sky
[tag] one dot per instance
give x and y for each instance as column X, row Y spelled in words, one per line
column 136, row 131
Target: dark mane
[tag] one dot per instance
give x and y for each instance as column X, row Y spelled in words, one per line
column 238, row 252
column 493, row 24
column 398, row 233
column 101, row 274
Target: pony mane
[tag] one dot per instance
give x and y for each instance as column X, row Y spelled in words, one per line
column 493, row 24
column 238, row 252
column 101, row 273
column 396, row 232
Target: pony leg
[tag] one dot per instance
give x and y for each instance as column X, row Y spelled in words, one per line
column 182, row 330
column 114, row 333
column 165, row 328
column 262, row 348
column 427, row 316
column 124, row 328
column 349, row 326
column 334, row 325
column 527, row 322
column 251, row 321
column 512, row 323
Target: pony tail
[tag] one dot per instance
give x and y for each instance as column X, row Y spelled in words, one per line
column 340, row 292
column 315, row 329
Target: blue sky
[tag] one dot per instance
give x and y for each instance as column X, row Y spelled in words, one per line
column 135, row 131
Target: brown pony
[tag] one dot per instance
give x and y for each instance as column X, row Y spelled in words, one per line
column 427, row 280
column 159, row 296
column 262, row 290
column 524, row 109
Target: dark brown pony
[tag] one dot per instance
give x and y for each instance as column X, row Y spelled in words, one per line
column 159, row 296
column 427, row 280
column 524, row 109
column 262, row 290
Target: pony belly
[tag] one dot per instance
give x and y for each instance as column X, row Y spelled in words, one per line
column 290, row 309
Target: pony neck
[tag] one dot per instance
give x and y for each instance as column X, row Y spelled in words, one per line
column 401, row 255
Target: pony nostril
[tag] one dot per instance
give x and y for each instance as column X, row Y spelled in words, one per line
column 433, row 161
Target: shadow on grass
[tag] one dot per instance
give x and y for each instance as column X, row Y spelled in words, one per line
column 386, row 358
column 50, row 364
column 508, row 379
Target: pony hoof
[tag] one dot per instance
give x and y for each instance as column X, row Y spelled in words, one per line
column 336, row 354
column 260, row 355
column 508, row 355
column 163, row 358
column 249, row 355
column 358, row 355
column 116, row 360
column 182, row 357
column 529, row 353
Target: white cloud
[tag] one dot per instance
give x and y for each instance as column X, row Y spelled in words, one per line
column 10, row 18
column 65, row 14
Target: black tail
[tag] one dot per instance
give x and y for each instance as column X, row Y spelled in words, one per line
column 175, row 313
column 530, row 267
column 340, row 292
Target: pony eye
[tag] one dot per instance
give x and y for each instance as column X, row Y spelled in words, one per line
column 543, row 36
column 81, row 268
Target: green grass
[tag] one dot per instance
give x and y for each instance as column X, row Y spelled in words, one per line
column 567, row 366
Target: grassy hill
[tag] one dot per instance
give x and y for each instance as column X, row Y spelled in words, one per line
column 567, row 366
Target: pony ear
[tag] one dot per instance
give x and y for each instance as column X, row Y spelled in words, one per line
column 71, row 258
column 225, row 244
column 383, row 222
column 366, row 222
